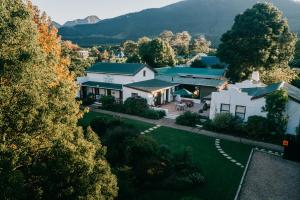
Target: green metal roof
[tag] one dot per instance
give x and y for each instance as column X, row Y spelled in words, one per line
column 189, row 71
column 93, row 84
column 192, row 81
column 183, row 92
column 150, row 85
column 258, row 92
column 116, row 68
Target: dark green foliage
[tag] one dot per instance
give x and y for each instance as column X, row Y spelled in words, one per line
column 191, row 15
column 257, row 127
column 188, row 119
column 157, row 53
column 260, row 39
column 101, row 124
column 135, row 105
column 275, row 108
column 108, row 102
column 296, row 82
column 297, row 50
column 198, row 64
column 226, row 123
column 295, row 63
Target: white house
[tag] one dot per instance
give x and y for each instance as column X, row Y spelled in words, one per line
column 123, row 80
column 248, row 98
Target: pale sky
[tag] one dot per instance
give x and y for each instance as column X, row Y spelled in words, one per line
column 65, row 10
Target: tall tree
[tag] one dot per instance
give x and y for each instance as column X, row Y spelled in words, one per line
column 166, row 36
column 297, row 50
column 157, row 53
column 43, row 154
column 200, row 45
column 260, row 39
column 181, row 42
column 131, row 51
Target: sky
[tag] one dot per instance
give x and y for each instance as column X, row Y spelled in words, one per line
column 65, row 10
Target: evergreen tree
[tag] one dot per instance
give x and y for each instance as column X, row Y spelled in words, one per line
column 157, row 53
column 43, row 153
column 260, row 39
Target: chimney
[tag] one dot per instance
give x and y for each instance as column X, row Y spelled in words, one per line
column 255, row 76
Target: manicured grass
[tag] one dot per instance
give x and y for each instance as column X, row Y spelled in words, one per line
column 88, row 117
column 222, row 176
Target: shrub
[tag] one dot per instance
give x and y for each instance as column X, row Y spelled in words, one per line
column 101, row 124
column 257, row 126
column 108, row 102
column 227, row 123
column 188, row 119
column 151, row 114
column 198, row 64
column 135, row 105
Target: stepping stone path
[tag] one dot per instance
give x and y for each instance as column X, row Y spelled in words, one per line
column 221, row 151
column 275, row 153
column 150, row 129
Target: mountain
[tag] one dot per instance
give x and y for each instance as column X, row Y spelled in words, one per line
column 200, row 17
column 88, row 20
column 56, row 25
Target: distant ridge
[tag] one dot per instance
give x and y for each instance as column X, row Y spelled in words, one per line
column 88, row 20
column 208, row 17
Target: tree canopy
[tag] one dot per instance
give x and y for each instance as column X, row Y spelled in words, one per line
column 157, row 53
column 260, row 39
column 43, row 153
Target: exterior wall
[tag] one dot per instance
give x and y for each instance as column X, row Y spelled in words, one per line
column 127, row 93
column 253, row 107
column 205, row 91
column 236, row 98
column 121, row 79
column 293, row 111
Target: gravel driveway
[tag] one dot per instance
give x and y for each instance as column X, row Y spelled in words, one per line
column 270, row 177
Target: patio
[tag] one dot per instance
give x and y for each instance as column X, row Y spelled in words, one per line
column 174, row 109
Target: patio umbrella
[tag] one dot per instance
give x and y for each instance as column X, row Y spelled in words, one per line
column 183, row 93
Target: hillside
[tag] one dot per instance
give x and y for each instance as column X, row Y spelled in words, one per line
column 209, row 17
column 88, row 20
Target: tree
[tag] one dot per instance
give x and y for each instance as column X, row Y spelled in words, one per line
column 277, row 75
column 200, row 45
column 167, row 36
column 43, row 154
column 157, row 53
column 104, row 56
column 297, row 50
column 131, row 51
column 275, row 108
column 77, row 65
column 181, row 43
column 198, row 64
column 260, row 39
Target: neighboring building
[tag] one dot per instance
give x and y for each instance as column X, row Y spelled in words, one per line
column 156, row 92
column 83, row 54
column 212, row 62
column 109, row 78
column 204, row 81
column 125, row 80
column 248, row 98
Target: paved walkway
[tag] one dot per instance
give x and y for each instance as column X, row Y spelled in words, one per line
column 271, row 177
column 171, row 123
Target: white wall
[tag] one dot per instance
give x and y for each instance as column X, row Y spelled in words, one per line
column 293, row 111
column 128, row 91
column 253, row 107
column 121, row 79
column 236, row 98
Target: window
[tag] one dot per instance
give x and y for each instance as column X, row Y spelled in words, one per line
column 225, row 108
column 144, row 73
column 240, row 111
column 134, row 95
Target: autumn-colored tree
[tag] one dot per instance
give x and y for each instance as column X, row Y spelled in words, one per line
column 43, row 153
column 278, row 74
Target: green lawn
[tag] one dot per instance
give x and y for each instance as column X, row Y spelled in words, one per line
column 222, row 176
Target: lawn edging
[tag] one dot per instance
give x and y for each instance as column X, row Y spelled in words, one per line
column 244, row 175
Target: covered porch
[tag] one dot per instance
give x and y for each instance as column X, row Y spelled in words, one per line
column 96, row 90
